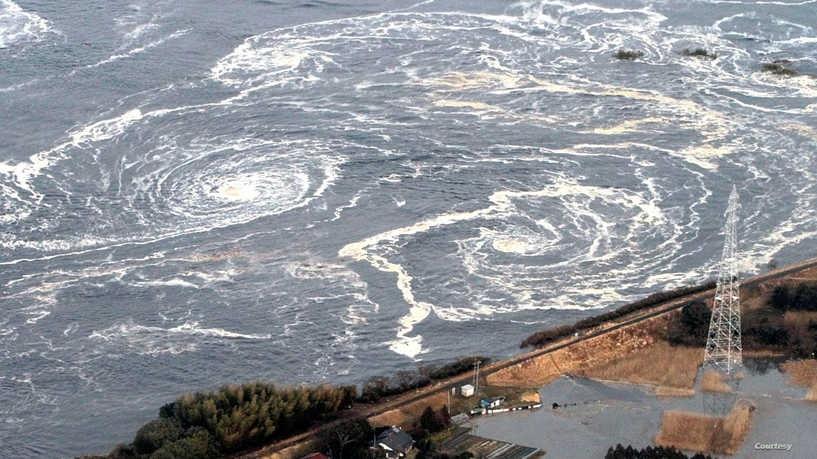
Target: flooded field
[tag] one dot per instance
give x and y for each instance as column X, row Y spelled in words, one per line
column 593, row 416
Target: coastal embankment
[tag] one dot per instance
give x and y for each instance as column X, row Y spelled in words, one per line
column 588, row 352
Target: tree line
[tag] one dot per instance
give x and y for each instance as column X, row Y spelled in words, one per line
column 379, row 387
column 794, row 334
column 799, row 297
column 650, row 452
column 692, row 326
column 233, row 418
column 761, row 328
column 544, row 337
column 244, row 416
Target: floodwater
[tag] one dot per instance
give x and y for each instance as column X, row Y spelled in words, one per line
column 202, row 192
column 595, row 416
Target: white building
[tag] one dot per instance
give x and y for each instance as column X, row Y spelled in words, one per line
column 467, row 390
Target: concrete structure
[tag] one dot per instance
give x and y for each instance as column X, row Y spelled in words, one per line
column 467, row 390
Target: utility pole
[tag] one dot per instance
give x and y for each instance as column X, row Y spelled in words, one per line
column 448, row 406
column 724, row 350
column 476, row 377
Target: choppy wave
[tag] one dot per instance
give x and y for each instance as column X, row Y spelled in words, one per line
column 566, row 225
column 169, row 185
column 326, row 191
column 153, row 340
column 516, row 62
column 18, row 26
column 124, row 53
column 183, row 169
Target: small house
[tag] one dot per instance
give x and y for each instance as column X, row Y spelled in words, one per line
column 467, row 390
column 490, row 403
column 394, row 442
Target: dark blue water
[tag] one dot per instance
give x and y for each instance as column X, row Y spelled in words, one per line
column 202, row 192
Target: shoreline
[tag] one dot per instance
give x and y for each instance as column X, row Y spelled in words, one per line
column 297, row 445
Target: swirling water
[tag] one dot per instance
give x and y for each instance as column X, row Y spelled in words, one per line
column 201, row 193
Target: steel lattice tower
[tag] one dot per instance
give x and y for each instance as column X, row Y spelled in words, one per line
column 724, row 350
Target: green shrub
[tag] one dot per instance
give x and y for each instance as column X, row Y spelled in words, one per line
column 549, row 335
column 122, row 451
column 198, row 444
column 236, row 417
column 457, row 367
column 692, row 326
column 156, row 434
column 779, row 298
column 378, row 387
column 434, row 421
column 347, row 439
column 769, row 335
column 799, row 297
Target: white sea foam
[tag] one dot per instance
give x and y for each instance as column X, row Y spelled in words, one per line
column 249, row 179
column 491, row 88
column 24, row 172
column 258, row 63
column 712, row 124
column 526, row 73
column 152, row 340
column 127, row 53
column 502, row 207
column 630, row 126
column 354, row 291
column 18, row 26
column 173, row 282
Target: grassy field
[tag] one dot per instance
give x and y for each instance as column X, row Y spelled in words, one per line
column 803, row 373
column 660, row 365
column 699, row 432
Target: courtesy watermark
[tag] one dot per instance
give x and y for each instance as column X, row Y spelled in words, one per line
column 773, row 446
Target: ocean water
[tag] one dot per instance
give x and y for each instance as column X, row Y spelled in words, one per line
column 196, row 193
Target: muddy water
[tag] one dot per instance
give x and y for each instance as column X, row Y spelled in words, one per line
column 594, row 416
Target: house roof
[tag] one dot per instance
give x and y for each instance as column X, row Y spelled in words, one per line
column 395, row 439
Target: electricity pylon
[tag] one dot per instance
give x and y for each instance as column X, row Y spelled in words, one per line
column 724, row 351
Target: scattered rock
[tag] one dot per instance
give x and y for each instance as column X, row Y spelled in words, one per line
column 700, row 53
column 628, row 55
column 779, row 68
